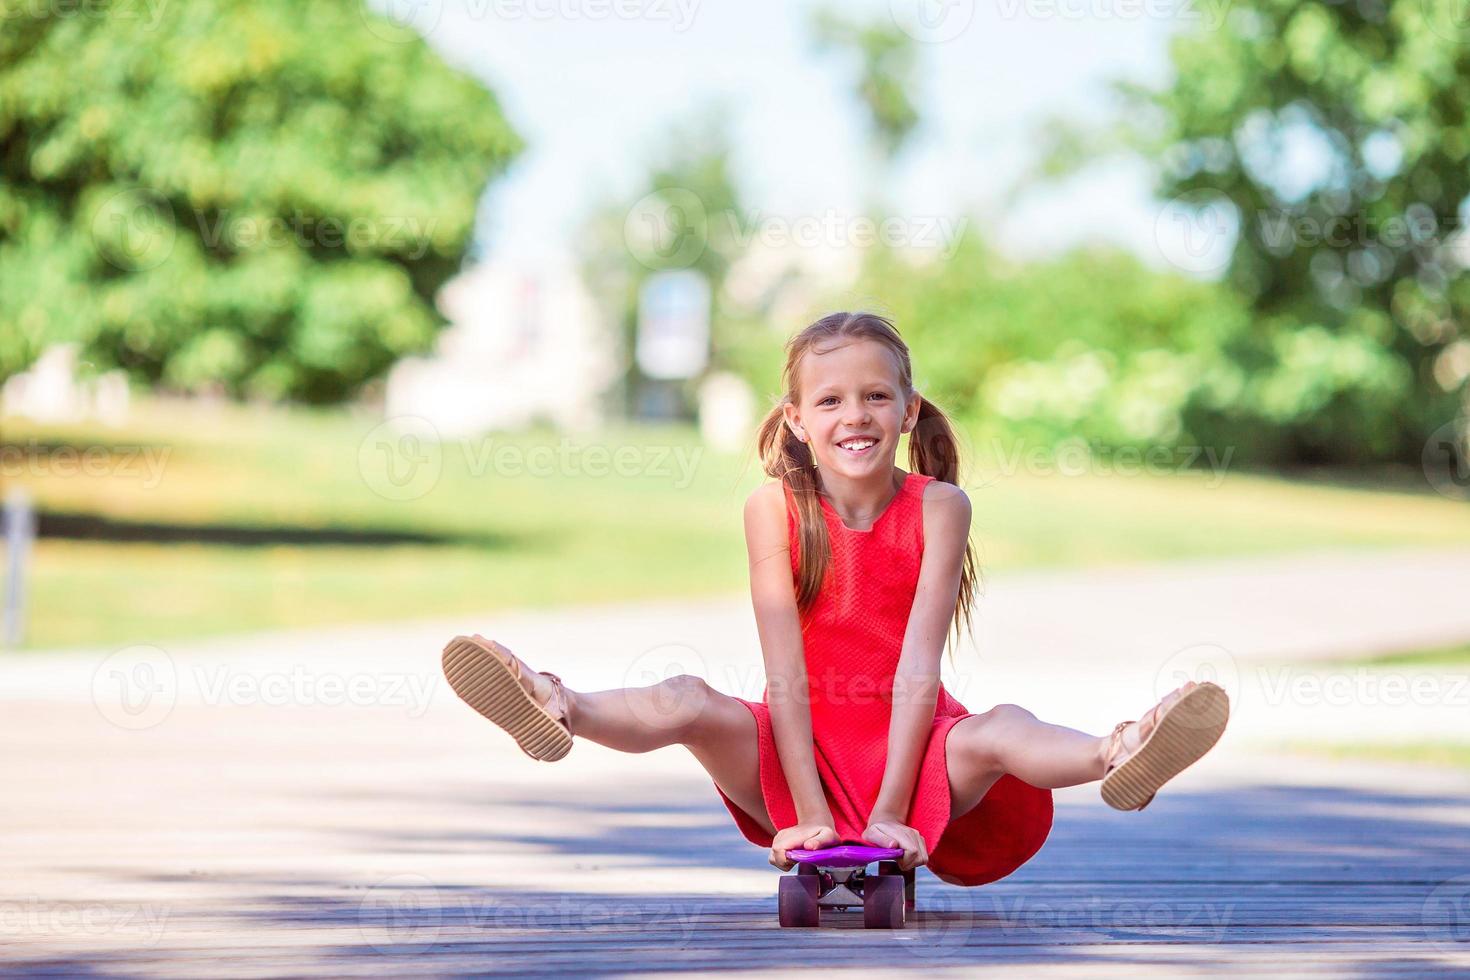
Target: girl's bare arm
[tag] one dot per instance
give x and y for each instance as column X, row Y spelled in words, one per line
column 916, row 683
column 773, row 593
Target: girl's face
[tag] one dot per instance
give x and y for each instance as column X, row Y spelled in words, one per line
column 850, row 409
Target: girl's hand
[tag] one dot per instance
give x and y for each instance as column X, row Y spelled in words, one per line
column 885, row 831
column 809, row 836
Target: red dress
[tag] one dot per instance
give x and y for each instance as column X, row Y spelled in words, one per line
column 853, row 635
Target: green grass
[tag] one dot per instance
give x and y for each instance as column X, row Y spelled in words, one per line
column 1451, row 656
column 1432, row 753
column 1454, row 755
column 490, row 537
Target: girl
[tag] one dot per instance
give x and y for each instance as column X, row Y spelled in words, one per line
column 857, row 571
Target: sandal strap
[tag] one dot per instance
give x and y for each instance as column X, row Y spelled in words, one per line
column 1154, row 715
column 1115, row 742
column 558, row 693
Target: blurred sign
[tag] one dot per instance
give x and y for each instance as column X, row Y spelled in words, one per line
column 20, row 530
column 673, row 324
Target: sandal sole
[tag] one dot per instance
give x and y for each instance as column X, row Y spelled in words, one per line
column 1186, row 732
column 484, row 682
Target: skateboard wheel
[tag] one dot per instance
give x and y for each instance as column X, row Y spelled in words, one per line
column 883, row 902
column 892, row 868
column 797, row 898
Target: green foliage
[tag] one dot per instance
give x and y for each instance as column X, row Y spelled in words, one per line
column 887, row 61
column 258, row 196
column 1335, row 137
column 686, row 215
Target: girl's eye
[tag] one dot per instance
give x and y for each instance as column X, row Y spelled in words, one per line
column 829, row 398
column 877, row 394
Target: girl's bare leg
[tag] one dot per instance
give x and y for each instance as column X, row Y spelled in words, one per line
column 718, row 730
column 1009, row 739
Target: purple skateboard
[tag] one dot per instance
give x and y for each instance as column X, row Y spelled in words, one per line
column 835, row 877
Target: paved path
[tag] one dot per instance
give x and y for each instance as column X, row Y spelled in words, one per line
column 319, row 803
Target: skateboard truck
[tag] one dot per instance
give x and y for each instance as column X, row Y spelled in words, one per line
column 836, row 877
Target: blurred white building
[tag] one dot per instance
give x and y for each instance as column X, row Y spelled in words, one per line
column 524, row 343
column 53, row 390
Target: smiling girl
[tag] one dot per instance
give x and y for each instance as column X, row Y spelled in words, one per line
column 858, row 570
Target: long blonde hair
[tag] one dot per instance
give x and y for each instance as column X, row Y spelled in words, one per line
column 933, row 451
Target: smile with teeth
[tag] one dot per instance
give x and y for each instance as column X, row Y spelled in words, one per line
column 857, row 445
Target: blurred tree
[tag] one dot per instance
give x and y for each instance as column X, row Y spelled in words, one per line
column 686, row 214
column 258, row 196
column 887, row 60
column 1332, row 140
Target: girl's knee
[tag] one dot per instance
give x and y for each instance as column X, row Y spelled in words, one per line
column 683, row 706
column 1009, row 714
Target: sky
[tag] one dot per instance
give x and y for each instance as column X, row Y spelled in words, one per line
column 593, row 85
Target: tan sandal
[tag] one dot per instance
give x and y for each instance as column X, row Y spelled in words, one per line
column 487, row 677
column 1182, row 731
